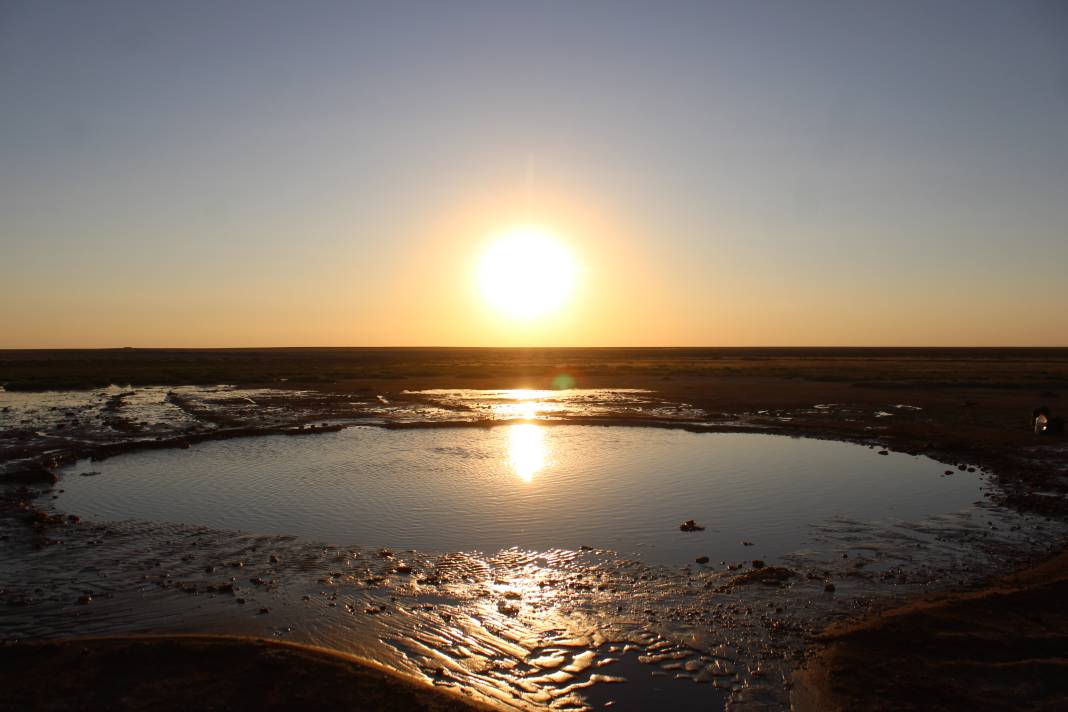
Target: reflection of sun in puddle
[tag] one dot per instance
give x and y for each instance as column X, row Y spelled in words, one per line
column 527, row 410
column 527, row 451
column 526, row 405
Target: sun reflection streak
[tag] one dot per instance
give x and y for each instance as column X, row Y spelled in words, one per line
column 527, row 410
column 527, row 451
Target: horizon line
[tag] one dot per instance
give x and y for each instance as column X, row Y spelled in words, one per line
column 517, row 347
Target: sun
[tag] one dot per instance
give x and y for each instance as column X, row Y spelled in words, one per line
column 526, row 273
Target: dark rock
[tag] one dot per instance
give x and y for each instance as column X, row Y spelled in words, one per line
column 829, row 588
column 767, row 575
column 690, row 526
column 702, row 559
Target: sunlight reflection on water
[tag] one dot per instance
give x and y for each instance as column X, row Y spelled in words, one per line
column 528, row 452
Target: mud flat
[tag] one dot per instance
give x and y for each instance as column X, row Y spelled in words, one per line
column 557, row 629
column 1001, row 647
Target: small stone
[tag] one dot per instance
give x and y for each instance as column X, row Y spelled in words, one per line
column 507, row 609
column 948, row 472
column 702, row 559
column 691, row 526
column 829, row 588
column 884, row 452
column 758, row 564
column 85, row 599
column 264, row 611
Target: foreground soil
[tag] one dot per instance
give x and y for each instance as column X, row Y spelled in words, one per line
column 203, row 673
column 1004, row 647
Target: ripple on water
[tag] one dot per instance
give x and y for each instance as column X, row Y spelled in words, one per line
column 537, row 487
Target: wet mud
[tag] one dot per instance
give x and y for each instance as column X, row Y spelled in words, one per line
column 559, row 629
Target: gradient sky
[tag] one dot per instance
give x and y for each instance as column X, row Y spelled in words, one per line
column 726, row 173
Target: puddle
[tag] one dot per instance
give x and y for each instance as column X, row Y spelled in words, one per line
column 522, row 485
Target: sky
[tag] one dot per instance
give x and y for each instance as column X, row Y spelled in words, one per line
column 721, row 173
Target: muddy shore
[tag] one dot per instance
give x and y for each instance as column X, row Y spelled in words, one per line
column 1001, row 647
column 967, row 408
column 205, row 673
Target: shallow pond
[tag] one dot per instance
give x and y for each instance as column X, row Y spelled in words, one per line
column 523, row 485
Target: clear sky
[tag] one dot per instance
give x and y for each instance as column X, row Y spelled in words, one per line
column 722, row 173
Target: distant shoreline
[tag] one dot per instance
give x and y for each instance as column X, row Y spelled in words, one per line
column 314, row 367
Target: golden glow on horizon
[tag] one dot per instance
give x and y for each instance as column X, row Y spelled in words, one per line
column 526, row 273
column 527, row 452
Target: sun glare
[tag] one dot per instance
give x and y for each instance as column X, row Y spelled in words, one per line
column 526, row 273
column 527, row 451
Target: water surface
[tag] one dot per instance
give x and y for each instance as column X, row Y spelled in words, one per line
column 524, row 485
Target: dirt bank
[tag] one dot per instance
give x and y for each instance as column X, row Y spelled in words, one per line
column 203, row 673
column 1004, row 647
